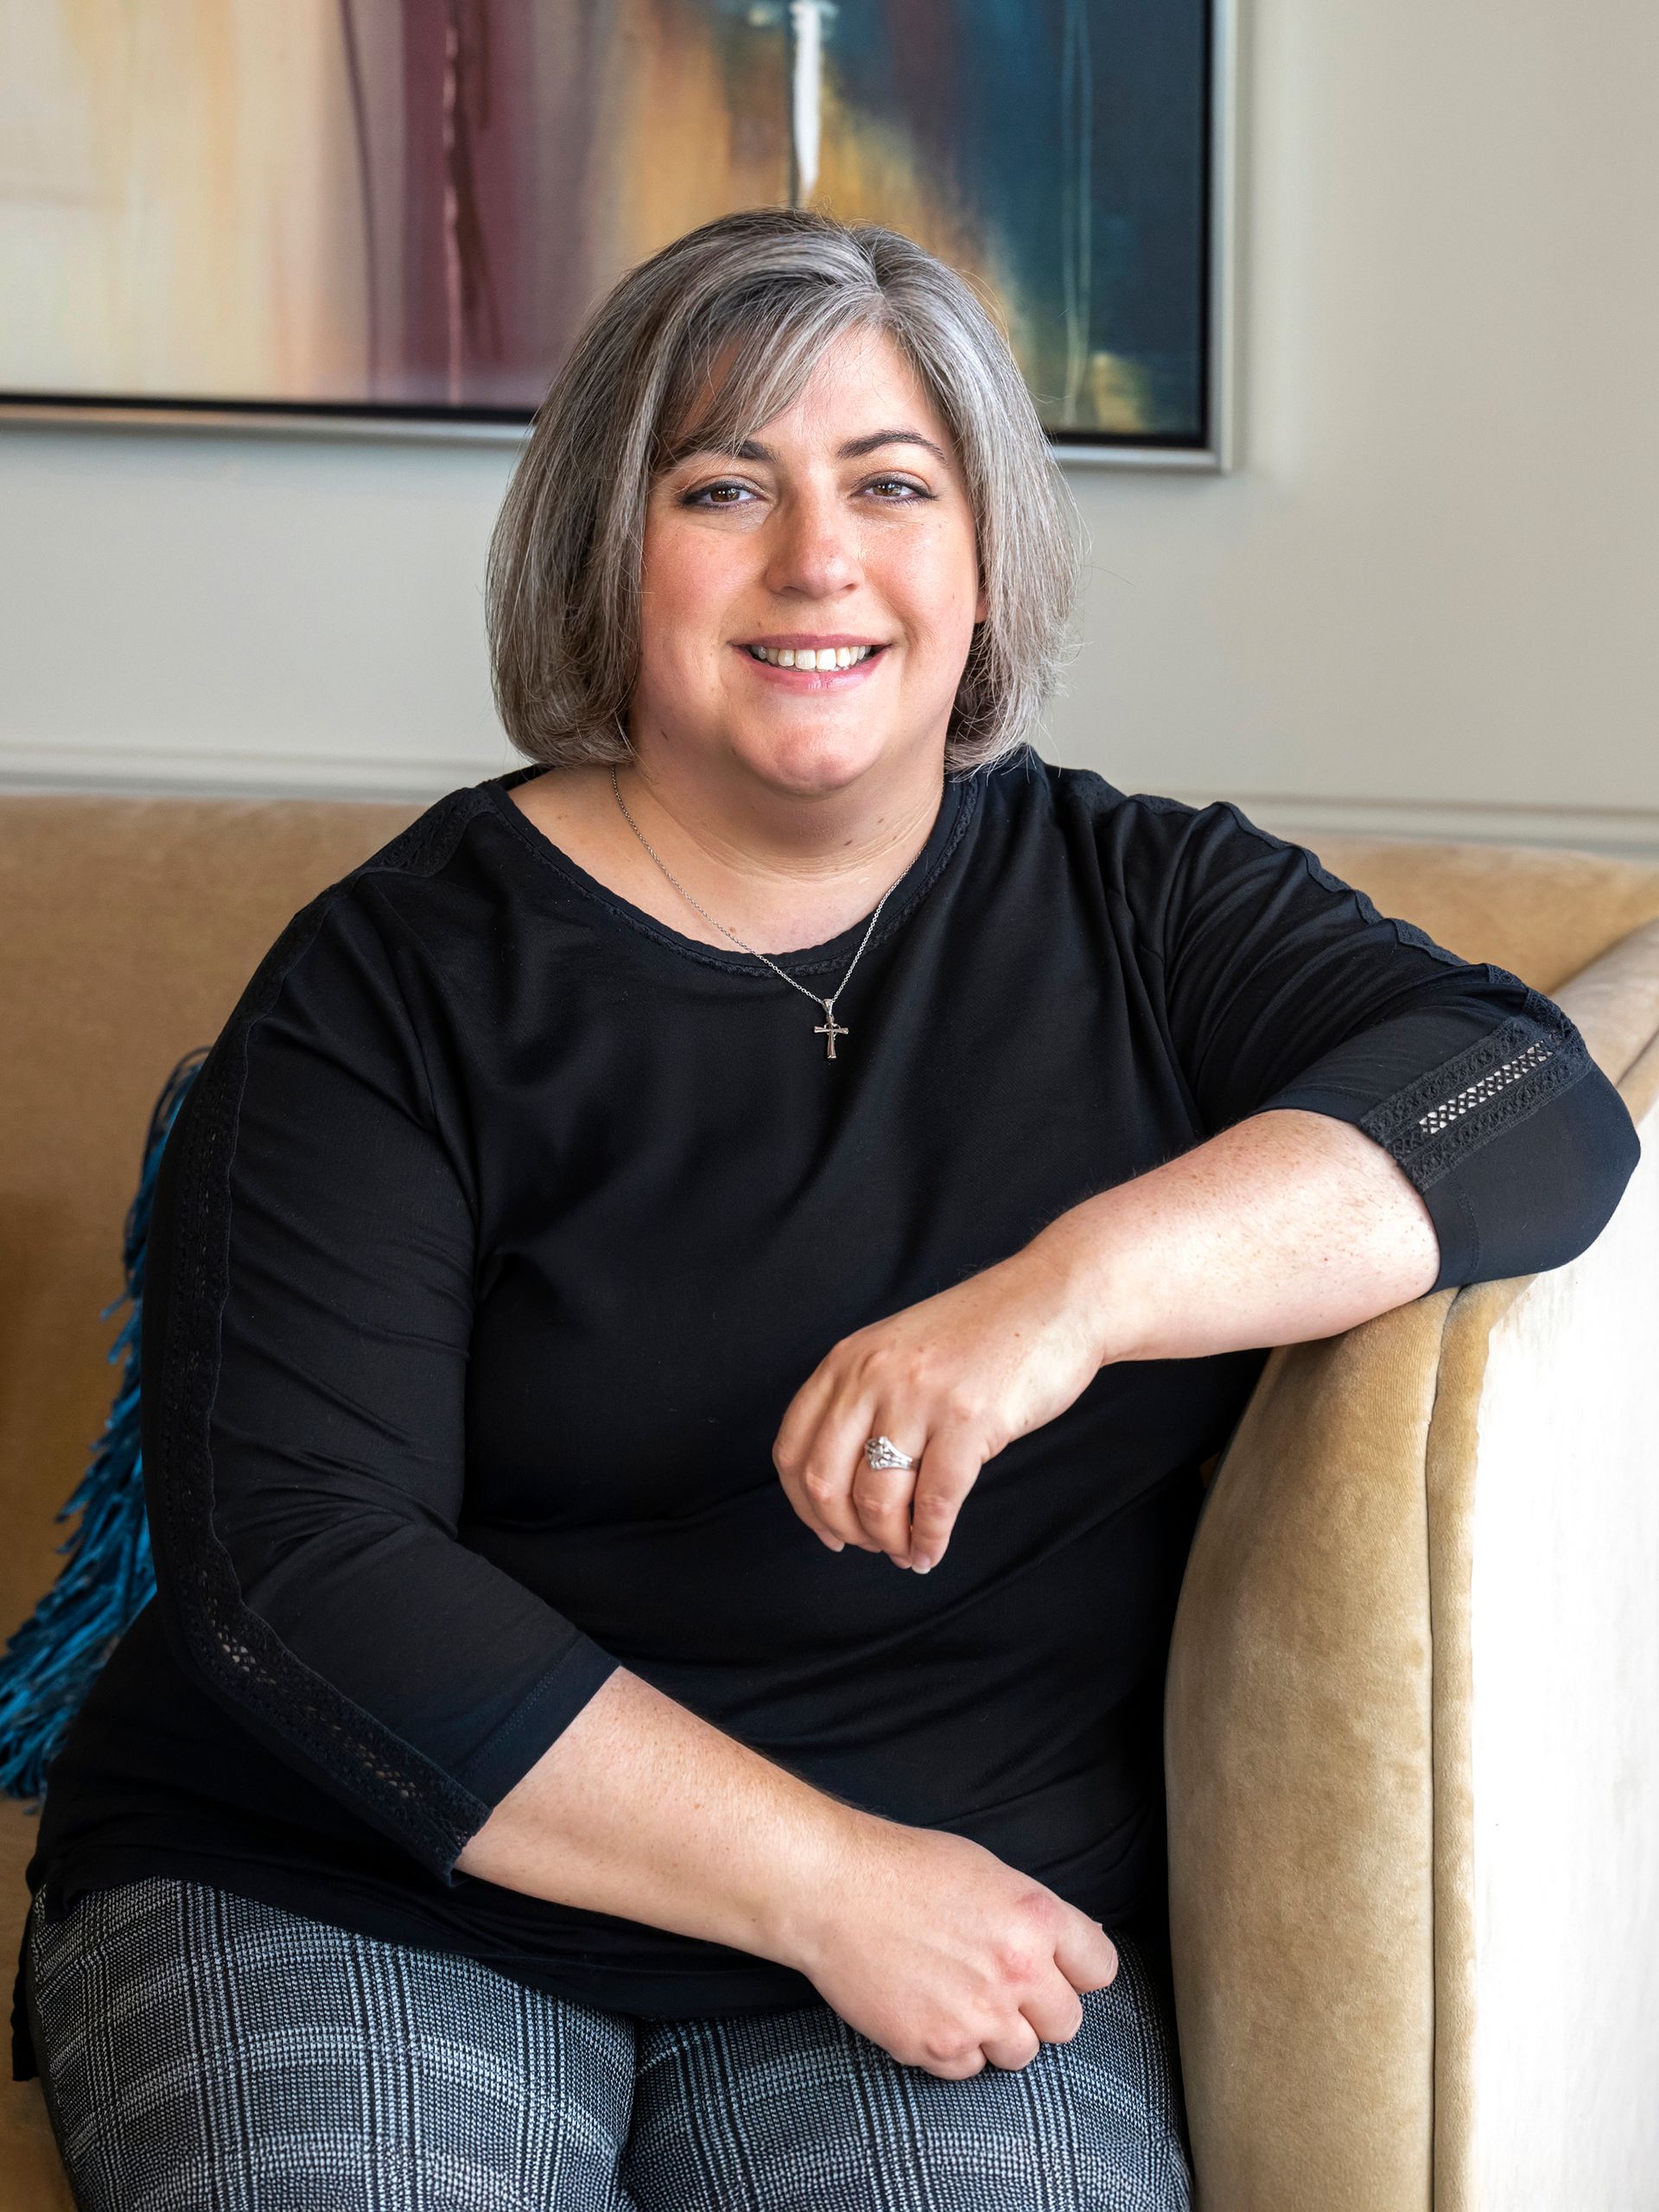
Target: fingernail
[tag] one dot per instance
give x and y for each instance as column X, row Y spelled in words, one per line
column 920, row 1564
column 832, row 1543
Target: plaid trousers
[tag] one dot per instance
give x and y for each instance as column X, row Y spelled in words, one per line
column 201, row 2052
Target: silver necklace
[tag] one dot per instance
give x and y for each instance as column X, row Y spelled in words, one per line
column 828, row 1028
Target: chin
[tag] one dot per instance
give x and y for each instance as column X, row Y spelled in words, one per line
column 813, row 759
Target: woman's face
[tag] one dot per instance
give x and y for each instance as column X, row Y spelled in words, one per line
column 846, row 522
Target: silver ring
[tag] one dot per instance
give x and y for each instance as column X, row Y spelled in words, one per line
column 882, row 1451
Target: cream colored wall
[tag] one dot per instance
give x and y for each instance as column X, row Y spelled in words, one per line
column 1425, row 601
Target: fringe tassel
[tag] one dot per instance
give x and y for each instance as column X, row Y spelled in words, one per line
column 55, row 1656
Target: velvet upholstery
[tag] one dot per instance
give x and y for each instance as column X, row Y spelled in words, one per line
column 1415, row 1668
column 1328, row 1862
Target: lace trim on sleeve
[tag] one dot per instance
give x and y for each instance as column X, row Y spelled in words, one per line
column 1466, row 1101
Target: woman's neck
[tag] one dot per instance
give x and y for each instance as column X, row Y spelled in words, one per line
column 777, row 892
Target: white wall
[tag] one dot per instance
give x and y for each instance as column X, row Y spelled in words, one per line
column 1426, row 601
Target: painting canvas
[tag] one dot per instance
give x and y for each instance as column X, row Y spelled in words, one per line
column 404, row 208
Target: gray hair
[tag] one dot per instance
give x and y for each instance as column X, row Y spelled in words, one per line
column 779, row 286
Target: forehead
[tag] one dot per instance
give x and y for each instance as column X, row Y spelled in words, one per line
column 861, row 382
column 861, row 364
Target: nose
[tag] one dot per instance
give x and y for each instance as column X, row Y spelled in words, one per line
column 812, row 550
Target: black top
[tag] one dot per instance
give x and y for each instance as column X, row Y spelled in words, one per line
column 502, row 1224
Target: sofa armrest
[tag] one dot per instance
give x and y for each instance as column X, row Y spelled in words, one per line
column 1417, row 1610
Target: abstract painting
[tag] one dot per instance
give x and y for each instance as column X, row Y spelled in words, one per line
column 403, row 209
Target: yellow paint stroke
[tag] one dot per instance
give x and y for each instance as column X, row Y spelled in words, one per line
column 211, row 246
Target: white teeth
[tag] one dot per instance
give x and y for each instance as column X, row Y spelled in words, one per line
column 804, row 656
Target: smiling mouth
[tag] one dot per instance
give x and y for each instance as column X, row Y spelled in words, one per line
column 828, row 660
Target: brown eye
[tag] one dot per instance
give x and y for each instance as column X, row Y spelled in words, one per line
column 704, row 491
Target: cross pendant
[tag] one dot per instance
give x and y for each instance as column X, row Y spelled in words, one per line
column 829, row 1031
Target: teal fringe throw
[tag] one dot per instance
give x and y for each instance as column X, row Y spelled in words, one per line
column 55, row 1656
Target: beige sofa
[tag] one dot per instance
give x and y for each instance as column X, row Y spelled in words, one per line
column 1414, row 1684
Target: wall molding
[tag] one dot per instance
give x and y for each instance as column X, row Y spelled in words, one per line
column 1631, row 831
column 244, row 771
column 250, row 772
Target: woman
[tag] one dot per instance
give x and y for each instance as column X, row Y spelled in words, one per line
column 786, row 1110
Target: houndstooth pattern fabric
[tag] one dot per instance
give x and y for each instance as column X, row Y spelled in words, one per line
column 201, row 2052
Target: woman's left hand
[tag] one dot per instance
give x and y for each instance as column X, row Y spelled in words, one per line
column 950, row 1381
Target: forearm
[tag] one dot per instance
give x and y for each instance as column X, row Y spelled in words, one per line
column 642, row 1808
column 1287, row 1226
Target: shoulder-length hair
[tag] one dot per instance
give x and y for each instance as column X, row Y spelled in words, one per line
column 777, row 286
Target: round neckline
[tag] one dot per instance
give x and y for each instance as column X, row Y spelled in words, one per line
column 957, row 804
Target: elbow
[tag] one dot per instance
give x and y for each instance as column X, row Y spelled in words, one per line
column 1518, row 1212
column 1608, row 1151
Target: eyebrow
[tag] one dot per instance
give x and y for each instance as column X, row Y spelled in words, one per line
column 752, row 448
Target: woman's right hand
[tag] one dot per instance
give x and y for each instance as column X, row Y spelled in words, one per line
column 951, row 1960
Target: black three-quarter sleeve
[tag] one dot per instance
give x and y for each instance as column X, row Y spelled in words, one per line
column 305, row 1326
column 1285, row 987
